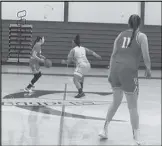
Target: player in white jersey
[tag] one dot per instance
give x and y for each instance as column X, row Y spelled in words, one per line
column 78, row 56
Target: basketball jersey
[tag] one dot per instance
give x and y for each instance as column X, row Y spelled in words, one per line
column 130, row 56
column 80, row 55
column 37, row 49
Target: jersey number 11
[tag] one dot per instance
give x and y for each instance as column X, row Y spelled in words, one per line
column 126, row 42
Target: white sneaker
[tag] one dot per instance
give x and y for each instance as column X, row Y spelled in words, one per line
column 103, row 134
column 137, row 143
column 137, row 139
column 28, row 90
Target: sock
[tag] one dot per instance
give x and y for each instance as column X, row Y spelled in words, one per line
column 36, row 77
column 136, row 134
column 29, row 86
column 106, row 124
column 81, row 83
column 34, row 80
column 80, row 91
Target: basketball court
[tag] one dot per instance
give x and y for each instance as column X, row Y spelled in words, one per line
column 52, row 116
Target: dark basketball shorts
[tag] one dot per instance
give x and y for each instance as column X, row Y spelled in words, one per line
column 124, row 78
column 34, row 65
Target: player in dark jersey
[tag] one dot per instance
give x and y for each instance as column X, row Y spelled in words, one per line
column 34, row 61
column 129, row 46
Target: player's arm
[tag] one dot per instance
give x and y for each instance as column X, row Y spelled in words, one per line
column 90, row 52
column 142, row 38
column 70, row 57
column 114, row 51
column 42, row 42
column 42, row 57
column 36, row 57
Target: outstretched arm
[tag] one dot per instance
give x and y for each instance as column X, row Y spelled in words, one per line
column 90, row 52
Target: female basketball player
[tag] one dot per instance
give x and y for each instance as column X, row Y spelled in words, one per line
column 35, row 59
column 78, row 55
column 124, row 63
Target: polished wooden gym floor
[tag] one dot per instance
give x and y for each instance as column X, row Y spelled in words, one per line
column 52, row 116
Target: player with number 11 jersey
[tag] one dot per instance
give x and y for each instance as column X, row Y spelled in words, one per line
column 129, row 46
column 130, row 56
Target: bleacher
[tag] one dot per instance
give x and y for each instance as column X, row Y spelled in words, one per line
column 98, row 37
column 20, row 40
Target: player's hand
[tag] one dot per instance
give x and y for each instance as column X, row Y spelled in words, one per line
column 42, row 60
column 63, row 61
column 43, row 57
column 148, row 73
column 98, row 57
column 43, row 40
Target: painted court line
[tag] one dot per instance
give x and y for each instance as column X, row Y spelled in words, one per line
column 10, row 102
column 62, row 118
column 71, row 75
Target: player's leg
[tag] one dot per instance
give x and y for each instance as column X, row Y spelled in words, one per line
column 84, row 69
column 130, row 86
column 134, row 115
column 77, row 78
column 82, row 82
column 37, row 74
column 35, row 79
column 117, row 99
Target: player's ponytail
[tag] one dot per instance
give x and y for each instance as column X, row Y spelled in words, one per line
column 134, row 30
column 134, row 22
column 36, row 40
column 77, row 40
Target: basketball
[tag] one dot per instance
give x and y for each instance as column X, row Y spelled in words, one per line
column 48, row 63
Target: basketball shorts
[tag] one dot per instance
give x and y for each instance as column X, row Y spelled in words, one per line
column 34, row 65
column 82, row 69
column 124, row 78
